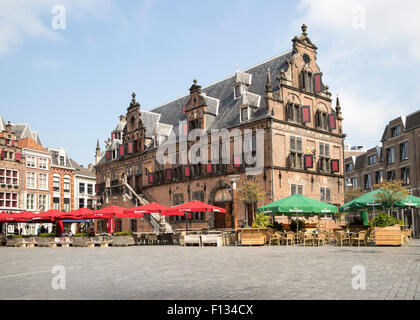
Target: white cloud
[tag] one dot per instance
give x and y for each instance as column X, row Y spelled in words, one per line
column 21, row 19
column 359, row 60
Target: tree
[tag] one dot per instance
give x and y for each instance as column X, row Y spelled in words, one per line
column 391, row 192
column 352, row 193
column 251, row 193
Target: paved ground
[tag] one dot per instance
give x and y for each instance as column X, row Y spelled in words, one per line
column 174, row 272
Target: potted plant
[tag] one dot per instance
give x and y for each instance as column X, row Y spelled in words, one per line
column 257, row 233
column 45, row 239
column 80, row 239
column 122, row 239
column 387, row 229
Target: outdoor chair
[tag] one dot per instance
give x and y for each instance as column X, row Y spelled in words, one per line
column 299, row 237
column 152, row 238
column 408, row 235
column 322, row 238
column 308, row 238
column 290, row 237
column 342, row 237
column 274, row 237
column 370, row 237
column 360, row 237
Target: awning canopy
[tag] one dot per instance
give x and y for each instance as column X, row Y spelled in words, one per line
column 194, row 206
column 298, row 205
column 153, row 207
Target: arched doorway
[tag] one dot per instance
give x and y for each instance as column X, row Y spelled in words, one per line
column 223, row 198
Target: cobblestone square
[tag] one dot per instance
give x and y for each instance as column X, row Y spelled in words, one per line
column 174, row 272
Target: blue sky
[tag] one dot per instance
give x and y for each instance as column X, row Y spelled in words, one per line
column 71, row 85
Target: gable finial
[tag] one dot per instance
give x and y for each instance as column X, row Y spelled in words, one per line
column 134, row 97
column 304, row 28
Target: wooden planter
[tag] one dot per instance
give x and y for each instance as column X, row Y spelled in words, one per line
column 252, row 236
column 391, row 236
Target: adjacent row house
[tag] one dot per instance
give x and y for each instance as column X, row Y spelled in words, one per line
column 397, row 158
column 37, row 179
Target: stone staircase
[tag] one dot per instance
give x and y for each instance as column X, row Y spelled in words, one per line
column 156, row 220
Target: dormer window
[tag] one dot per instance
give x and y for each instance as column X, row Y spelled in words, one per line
column 62, row 161
column 238, row 91
column 395, row 131
column 244, row 114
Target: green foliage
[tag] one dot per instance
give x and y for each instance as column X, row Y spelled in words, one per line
column 301, row 225
column 80, row 235
column 17, row 236
column 351, row 193
column 276, row 226
column 251, row 192
column 48, row 235
column 391, row 192
column 122, row 234
column 384, row 220
column 261, row 221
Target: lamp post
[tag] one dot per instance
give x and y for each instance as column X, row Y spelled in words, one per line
column 234, row 179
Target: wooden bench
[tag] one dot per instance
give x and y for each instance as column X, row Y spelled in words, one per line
column 212, row 239
column 192, row 239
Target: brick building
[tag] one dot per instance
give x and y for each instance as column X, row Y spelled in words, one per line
column 11, row 170
column 395, row 159
column 61, row 180
column 282, row 96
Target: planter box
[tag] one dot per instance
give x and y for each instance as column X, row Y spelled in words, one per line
column 45, row 242
column 391, row 236
column 123, row 241
column 252, row 236
column 80, row 241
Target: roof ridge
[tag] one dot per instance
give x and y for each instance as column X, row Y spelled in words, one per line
column 225, row 78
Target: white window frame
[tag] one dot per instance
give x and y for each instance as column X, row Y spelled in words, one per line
column 40, row 186
column 31, row 177
column 33, row 201
column 41, row 160
column 30, row 161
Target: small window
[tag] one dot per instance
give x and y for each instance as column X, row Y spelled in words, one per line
column 244, row 114
column 395, row 131
column 238, row 91
column 62, row 161
column 404, row 151
column 372, row 159
column 390, row 157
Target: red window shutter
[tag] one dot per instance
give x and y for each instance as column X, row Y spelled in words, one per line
column 335, row 166
column 209, row 168
column 168, row 174
column 332, row 121
column 2, row 154
column 187, row 171
column 130, row 147
column 108, row 155
column 97, row 188
column 186, row 129
column 318, row 86
column 306, row 114
column 18, row 156
column 309, row 161
column 150, row 177
column 121, row 150
column 113, row 136
column 237, row 161
column 13, row 142
column 184, row 108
